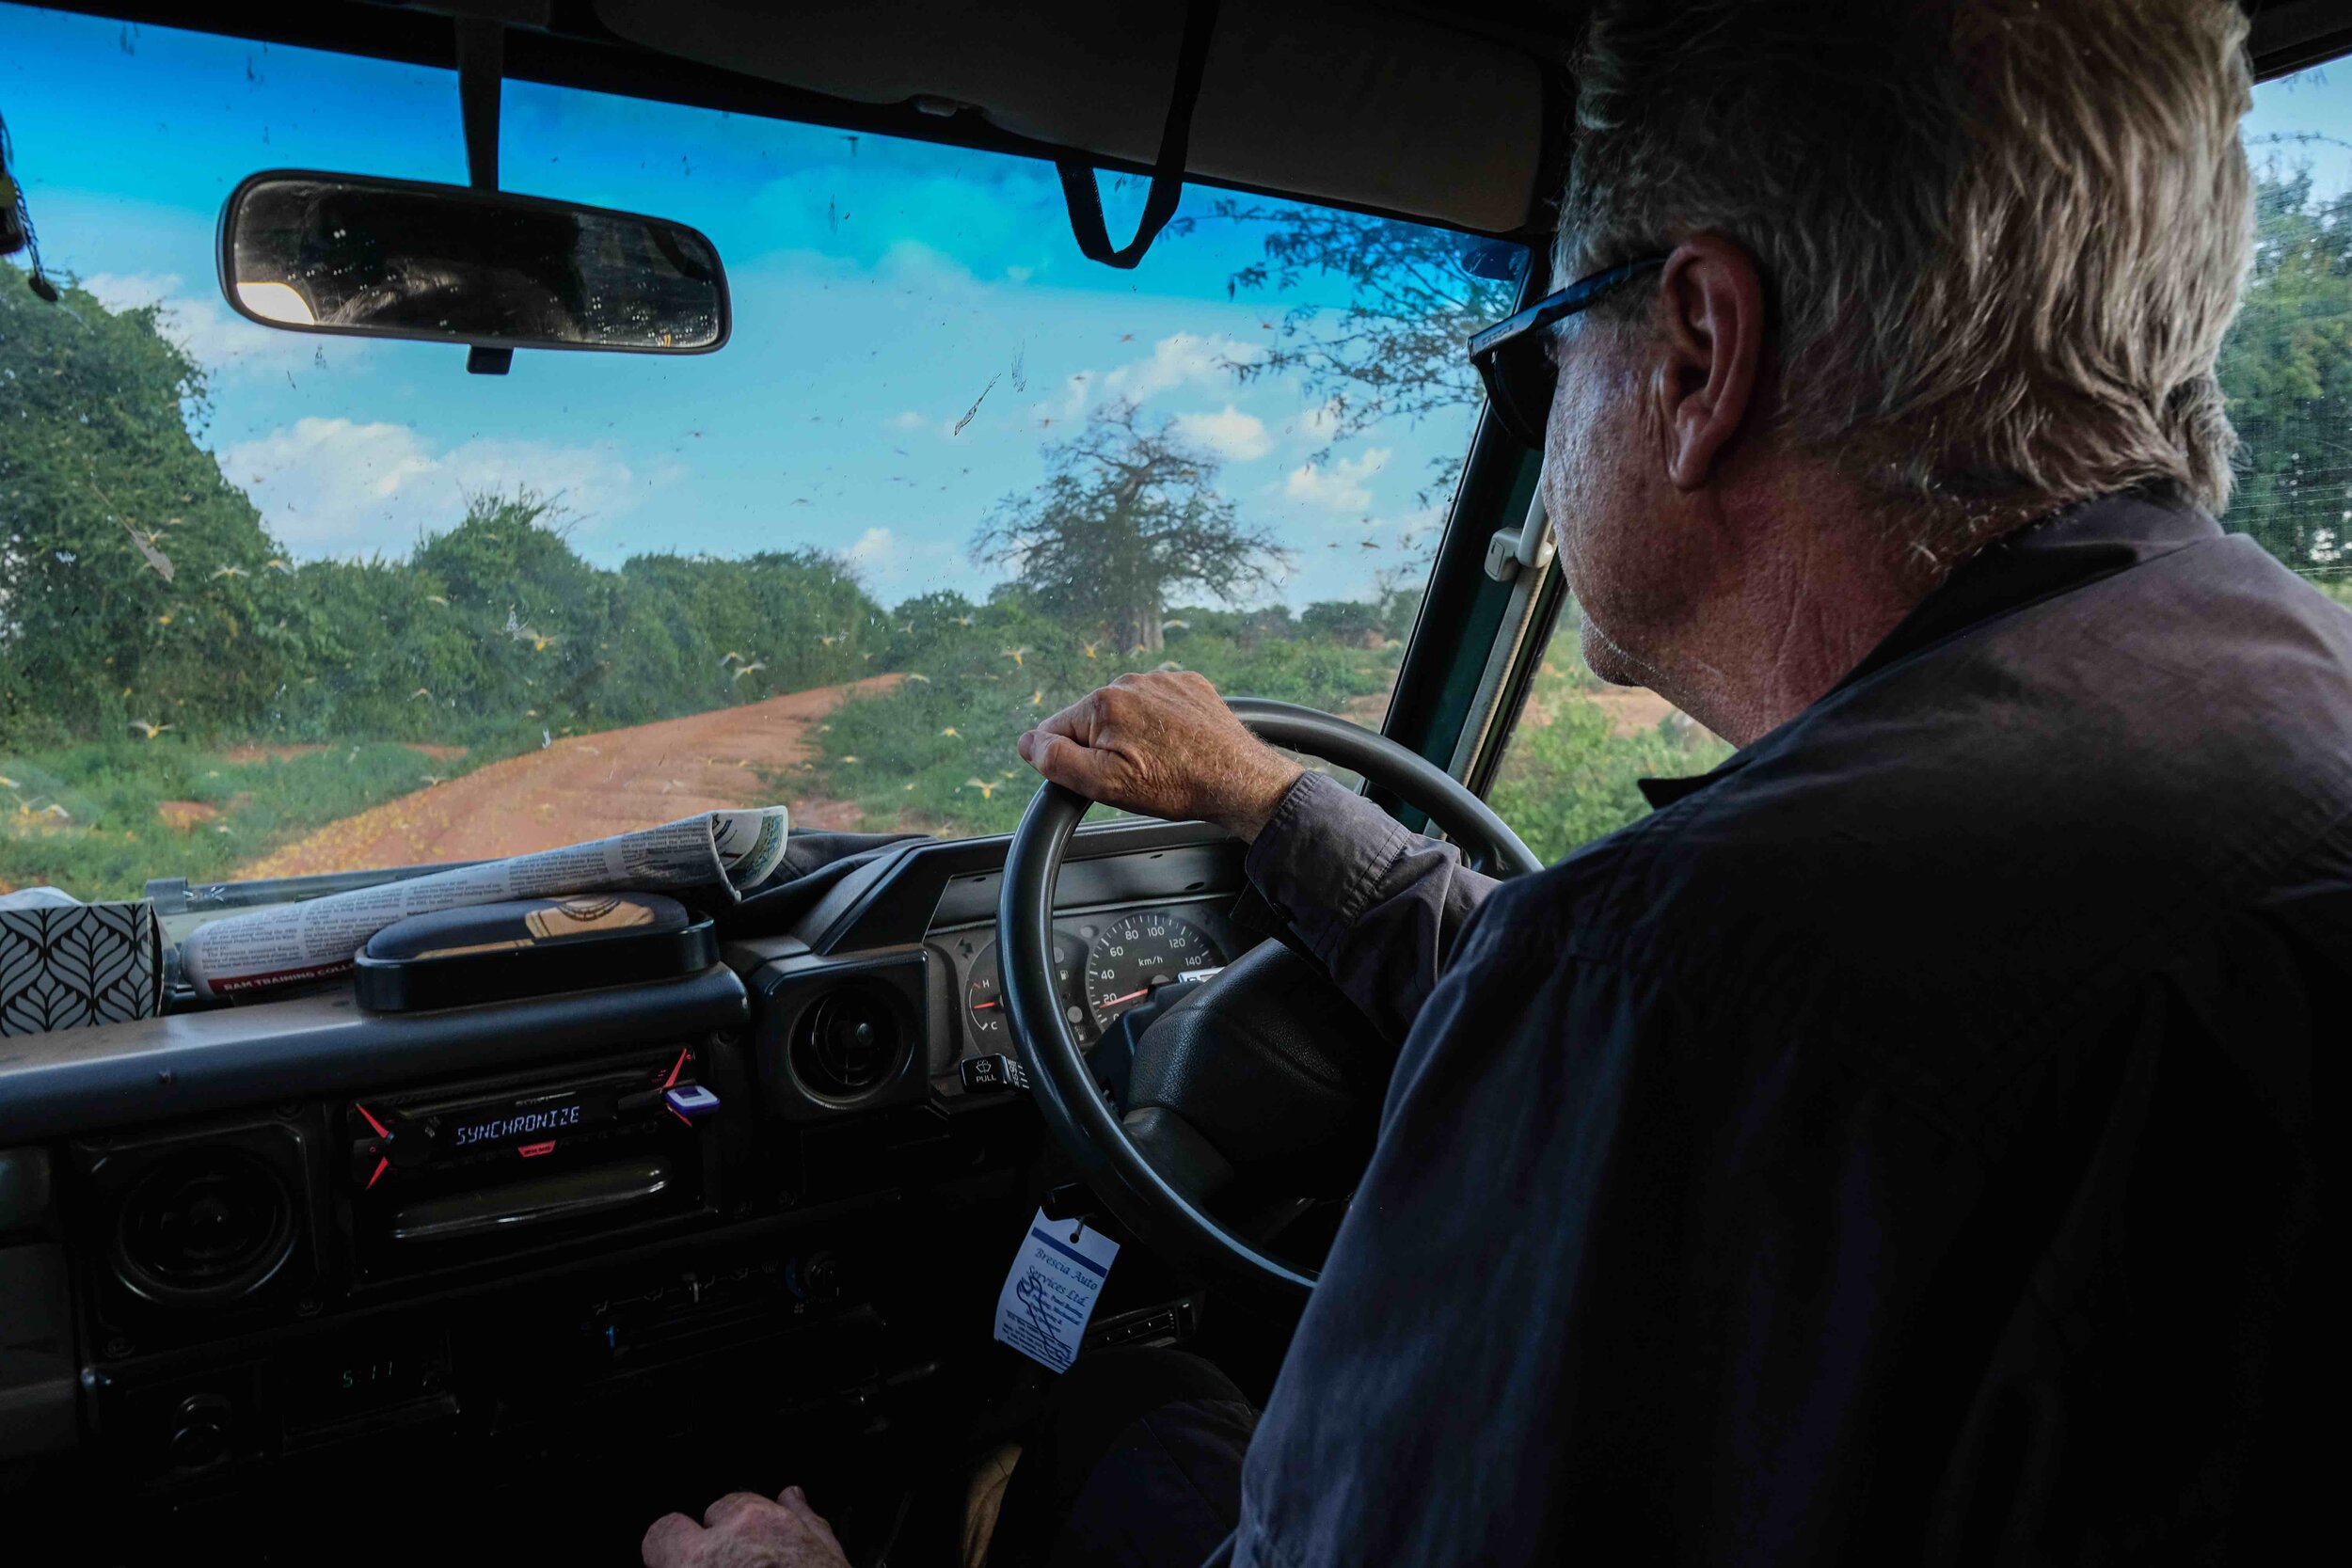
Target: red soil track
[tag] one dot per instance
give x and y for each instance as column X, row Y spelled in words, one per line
column 589, row 786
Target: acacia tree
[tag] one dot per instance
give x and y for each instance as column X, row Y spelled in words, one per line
column 1128, row 515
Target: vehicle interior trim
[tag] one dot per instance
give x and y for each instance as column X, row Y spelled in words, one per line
column 185, row 1064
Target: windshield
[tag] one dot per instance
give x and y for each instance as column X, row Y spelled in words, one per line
column 278, row 604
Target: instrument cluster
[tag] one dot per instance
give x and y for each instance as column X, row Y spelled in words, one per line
column 1105, row 963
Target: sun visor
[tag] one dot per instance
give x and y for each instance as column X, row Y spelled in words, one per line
column 1320, row 101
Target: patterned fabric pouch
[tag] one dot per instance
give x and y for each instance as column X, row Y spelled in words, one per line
column 74, row 965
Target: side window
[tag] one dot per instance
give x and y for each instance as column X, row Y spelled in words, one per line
column 2286, row 367
column 1569, row 770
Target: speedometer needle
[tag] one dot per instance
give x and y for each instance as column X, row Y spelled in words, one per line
column 1129, row 997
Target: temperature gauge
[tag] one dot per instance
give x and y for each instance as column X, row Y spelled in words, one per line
column 984, row 1003
column 984, row 997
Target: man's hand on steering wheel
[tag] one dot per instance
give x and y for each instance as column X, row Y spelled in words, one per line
column 744, row 1529
column 1164, row 744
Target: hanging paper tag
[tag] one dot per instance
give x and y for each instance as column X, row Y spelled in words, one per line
column 1049, row 1295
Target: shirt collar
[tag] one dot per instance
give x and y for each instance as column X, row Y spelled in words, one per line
column 2062, row 551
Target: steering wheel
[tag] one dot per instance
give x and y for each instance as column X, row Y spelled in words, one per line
column 1262, row 1038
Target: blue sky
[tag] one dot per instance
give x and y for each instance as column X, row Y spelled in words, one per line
column 2305, row 118
column 879, row 288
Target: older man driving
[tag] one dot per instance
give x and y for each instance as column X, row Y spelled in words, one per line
column 1899, row 1146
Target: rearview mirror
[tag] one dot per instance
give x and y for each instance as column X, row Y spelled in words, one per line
column 447, row 263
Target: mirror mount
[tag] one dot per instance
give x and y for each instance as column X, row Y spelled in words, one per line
column 481, row 67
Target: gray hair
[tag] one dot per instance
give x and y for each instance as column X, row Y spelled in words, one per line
column 2002, row 239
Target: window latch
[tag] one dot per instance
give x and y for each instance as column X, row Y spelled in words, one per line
column 1525, row 549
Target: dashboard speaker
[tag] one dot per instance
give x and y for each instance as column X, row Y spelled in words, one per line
column 849, row 1043
column 185, row 1227
column 206, row 1226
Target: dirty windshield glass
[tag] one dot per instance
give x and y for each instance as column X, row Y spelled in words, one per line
column 274, row 604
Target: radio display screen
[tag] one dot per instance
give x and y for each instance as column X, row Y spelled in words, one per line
column 477, row 1128
column 412, row 1133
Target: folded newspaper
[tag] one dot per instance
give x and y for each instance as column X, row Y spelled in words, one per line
column 292, row 943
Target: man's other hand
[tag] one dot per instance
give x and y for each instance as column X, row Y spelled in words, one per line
column 744, row 1529
column 1164, row 744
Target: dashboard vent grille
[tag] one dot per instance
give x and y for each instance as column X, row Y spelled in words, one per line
column 849, row 1044
column 203, row 1227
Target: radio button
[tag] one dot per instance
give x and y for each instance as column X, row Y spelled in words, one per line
column 693, row 1101
column 366, row 1155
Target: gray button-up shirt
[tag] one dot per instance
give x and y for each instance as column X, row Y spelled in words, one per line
column 1899, row 1146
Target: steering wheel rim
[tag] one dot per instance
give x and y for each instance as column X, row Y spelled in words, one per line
column 1060, row 1078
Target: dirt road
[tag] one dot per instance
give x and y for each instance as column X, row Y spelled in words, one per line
column 1630, row 709
column 587, row 786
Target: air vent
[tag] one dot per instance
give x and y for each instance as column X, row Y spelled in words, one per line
column 204, row 1227
column 849, row 1044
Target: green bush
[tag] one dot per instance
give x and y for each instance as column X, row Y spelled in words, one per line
column 1568, row 780
column 139, row 588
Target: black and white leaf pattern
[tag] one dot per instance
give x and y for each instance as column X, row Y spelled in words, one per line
column 126, row 976
column 20, row 952
column 65, row 968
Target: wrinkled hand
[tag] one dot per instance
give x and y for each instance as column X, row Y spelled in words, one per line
column 744, row 1529
column 1165, row 745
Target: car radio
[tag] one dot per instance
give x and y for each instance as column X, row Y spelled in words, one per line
column 440, row 1177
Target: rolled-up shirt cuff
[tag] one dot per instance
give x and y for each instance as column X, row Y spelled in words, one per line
column 1320, row 857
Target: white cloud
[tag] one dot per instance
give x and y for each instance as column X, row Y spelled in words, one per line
column 1322, row 422
column 909, row 419
column 917, row 268
column 338, row 487
column 1183, row 359
column 214, row 335
column 1231, row 433
column 1340, row 487
column 896, row 569
column 121, row 291
column 1178, row 360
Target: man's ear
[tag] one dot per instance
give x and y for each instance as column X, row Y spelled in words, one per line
column 1711, row 322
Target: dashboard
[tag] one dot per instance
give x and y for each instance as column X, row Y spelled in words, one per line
column 300, row 1249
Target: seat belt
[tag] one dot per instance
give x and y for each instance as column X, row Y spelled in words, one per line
column 1168, row 171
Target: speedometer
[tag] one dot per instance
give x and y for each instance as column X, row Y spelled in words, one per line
column 1140, row 951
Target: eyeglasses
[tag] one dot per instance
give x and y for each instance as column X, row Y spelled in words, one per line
column 1513, row 360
